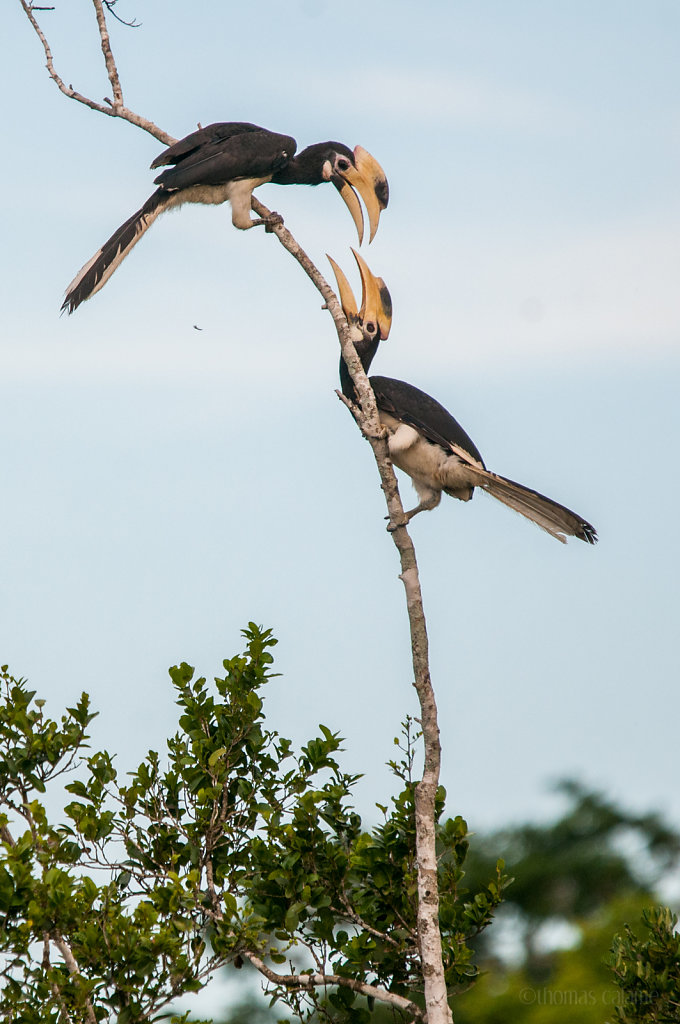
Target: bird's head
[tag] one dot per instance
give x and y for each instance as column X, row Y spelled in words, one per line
column 374, row 318
column 349, row 170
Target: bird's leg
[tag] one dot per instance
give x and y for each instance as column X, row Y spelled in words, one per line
column 394, row 525
column 408, row 516
column 429, row 499
column 270, row 222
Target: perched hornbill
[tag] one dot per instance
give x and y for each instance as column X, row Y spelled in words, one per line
column 226, row 161
column 425, row 441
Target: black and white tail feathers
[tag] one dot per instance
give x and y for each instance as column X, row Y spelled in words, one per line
column 555, row 519
column 98, row 270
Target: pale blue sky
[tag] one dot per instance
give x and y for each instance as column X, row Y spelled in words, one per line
column 162, row 486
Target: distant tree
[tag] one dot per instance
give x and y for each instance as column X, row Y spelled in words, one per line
column 593, row 869
column 233, row 847
column 569, row 870
column 575, row 985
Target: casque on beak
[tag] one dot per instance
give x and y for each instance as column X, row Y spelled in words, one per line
column 368, row 177
column 376, row 302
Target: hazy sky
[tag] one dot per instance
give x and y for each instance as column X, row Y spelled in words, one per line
column 162, row 485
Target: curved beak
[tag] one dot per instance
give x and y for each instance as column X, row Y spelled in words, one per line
column 376, row 301
column 351, row 201
column 368, row 178
column 347, row 300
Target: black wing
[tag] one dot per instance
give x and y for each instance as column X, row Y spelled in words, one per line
column 415, row 407
column 218, row 132
column 222, row 153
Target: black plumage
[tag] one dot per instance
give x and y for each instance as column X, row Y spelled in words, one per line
column 410, row 405
column 425, row 440
column 227, row 161
column 221, row 153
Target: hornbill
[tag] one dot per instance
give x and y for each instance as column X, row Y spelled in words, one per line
column 226, row 161
column 424, row 440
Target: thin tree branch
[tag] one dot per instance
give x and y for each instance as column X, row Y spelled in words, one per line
column 118, row 109
column 7, row 836
column 216, row 912
column 111, row 69
column 110, row 7
column 355, row 918
column 319, row 980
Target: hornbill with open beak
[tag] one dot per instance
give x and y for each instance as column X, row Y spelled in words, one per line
column 424, row 440
column 226, row 161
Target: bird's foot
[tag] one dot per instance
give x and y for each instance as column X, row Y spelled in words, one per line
column 394, row 524
column 272, row 221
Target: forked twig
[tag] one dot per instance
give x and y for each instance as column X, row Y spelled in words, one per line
column 319, row 980
column 115, row 109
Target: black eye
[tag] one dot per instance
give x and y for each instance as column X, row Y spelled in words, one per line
column 343, row 165
column 370, row 327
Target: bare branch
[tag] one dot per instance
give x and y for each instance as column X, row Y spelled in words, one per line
column 354, row 409
column 117, row 109
column 110, row 7
column 311, row 981
column 111, row 69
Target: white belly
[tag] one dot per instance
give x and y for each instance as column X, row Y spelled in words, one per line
column 431, row 468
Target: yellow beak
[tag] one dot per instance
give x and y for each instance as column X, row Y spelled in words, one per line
column 368, row 177
column 376, row 302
